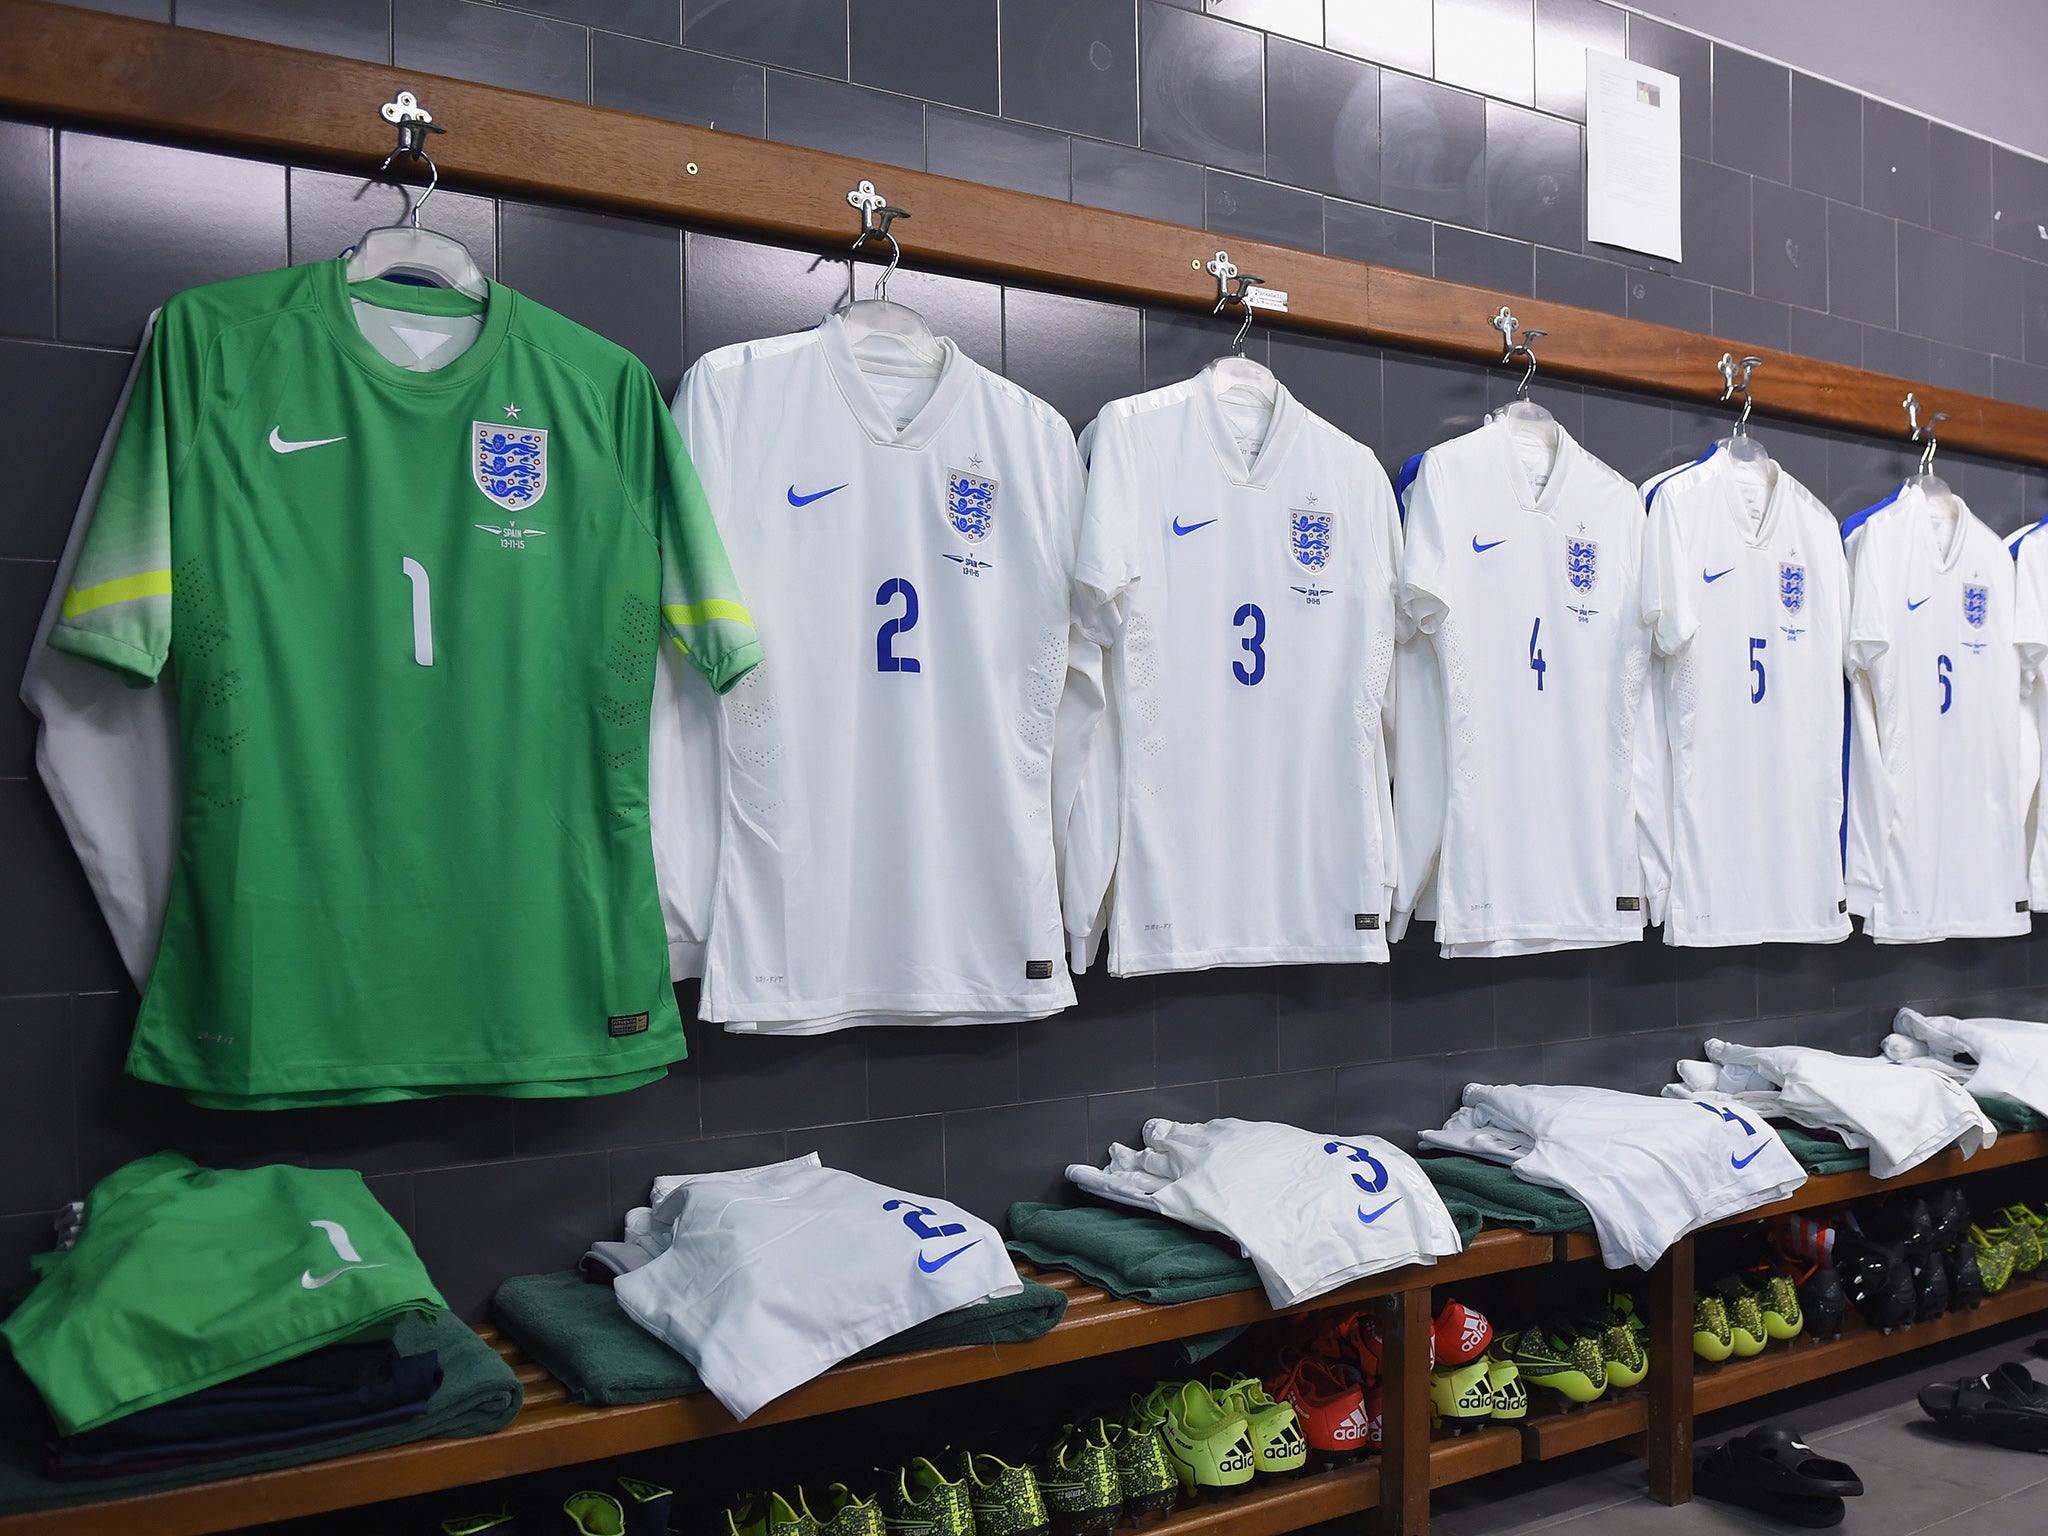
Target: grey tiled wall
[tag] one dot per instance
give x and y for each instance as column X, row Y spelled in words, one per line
column 1816, row 221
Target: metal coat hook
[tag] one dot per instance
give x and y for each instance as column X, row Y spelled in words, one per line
column 414, row 122
column 1733, row 383
column 1923, row 434
column 1233, row 287
column 1511, row 349
column 875, row 218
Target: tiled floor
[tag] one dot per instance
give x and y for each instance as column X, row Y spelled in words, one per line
column 1914, row 1481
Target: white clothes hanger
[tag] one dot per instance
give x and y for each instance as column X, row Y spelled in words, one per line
column 404, row 249
column 1528, row 420
column 1924, row 479
column 1739, row 445
column 881, row 333
column 1521, row 408
column 1238, row 378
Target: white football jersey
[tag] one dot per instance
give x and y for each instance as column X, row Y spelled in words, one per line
column 1746, row 592
column 1937, row 792
column 1242, row 563
column 1522, row 567
column 885, row 848
column 1354, row 1206
column 1649, row 1170
column 2030, row 632
column 1992, row 1058
column 1902, row 1117
column 736, row 1285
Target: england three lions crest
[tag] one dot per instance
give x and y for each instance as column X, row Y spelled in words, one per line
column 1581, row 563
column 970, row 504
column 510, row 463
column 1792, row 587
column 1976, row 604
column 1308, row 538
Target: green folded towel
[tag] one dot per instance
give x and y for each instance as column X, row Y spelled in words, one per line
column 1821, row 1154
column 2011, row 1115
column 479, row 1395
column 1492, row 1194
column 581, row 1336
column 1128, row 1253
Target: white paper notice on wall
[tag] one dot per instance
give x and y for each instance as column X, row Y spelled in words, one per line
column 1632, row 148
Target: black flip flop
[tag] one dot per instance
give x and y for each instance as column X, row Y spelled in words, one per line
column 2005, row 1407
column 1773, row 1471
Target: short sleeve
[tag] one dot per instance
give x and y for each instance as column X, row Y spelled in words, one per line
column 2030, row 604
column 117, row 610
column 1108, row 559
column 701, row 607
column 1869, row 610
column 1668, row 608
column 1424, row 600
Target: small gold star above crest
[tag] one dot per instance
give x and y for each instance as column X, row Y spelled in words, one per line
column 511, row 411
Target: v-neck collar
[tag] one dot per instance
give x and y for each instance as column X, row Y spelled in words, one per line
column 336, row 296
column 1945, row 555
column 1258, row 474
column 874, row 417
column 1545, row 503
column 1758, row 535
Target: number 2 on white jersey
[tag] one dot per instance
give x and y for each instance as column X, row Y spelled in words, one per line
column 886, row 659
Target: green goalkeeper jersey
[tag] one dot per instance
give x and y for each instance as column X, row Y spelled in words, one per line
column 411, row 614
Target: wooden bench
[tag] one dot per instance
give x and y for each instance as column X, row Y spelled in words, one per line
column 551, row 1432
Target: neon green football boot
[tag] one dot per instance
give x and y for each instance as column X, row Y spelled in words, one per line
column 1004, row 1498
column 842, row 1512
column 1144, row 1467
column 1078, row 1478
column 923, row 1501
column 1211, row 1446
column 1279, row 1448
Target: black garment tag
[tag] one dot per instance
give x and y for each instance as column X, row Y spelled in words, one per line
column 626, row 1024
column 2019, row 906
column 1366, row 921
column 1038, row 970
column 1628, row 903
column 1842, row 905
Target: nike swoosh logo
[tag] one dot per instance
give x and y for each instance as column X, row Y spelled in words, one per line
column 1911, row 605
column 286, row 445
column 933, row 1266
column 313, row 1283
column 1480, row 549
column 1191, row 527
column 1739, row 1163
column 1715, row 575
column 804, row 501
column 1369, row 1217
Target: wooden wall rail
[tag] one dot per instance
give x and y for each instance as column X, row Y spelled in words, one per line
column 73, row 66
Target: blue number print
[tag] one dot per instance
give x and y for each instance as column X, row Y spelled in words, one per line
column 886, row 659
column 1727, row 1114
column 914, row 1218
column 1254, row 644
column 1371, row 1186
column 1756, row 665
column 1943, row 666
column 1536, row 663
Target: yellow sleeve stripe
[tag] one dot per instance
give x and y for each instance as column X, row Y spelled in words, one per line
column 124, row 589
column 689, row 615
